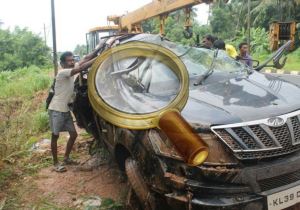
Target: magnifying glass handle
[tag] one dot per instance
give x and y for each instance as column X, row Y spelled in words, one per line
column 188, row 144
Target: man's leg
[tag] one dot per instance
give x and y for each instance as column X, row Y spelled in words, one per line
column 71, row 141
column 54, row 139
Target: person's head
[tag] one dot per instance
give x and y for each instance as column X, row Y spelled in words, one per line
column 208, row 41
column 244, row 48
column 219, row 44
column 67, row 60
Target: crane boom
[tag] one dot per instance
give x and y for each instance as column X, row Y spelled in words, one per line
column 131, row 22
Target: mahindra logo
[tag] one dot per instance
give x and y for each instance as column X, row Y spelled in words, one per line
column 275, row 122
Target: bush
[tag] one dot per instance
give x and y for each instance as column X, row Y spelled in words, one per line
column 41, row 121
column 22, row 108
column 20, row 48
column 259, row 40
column 23, row 82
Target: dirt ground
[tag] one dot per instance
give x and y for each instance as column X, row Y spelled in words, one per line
column 93, row 178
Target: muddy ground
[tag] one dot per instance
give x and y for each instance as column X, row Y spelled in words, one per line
column 95, row 179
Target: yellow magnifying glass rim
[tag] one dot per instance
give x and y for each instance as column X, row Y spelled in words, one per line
column 138, row 49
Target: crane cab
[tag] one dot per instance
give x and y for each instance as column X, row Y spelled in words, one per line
column 95, row 34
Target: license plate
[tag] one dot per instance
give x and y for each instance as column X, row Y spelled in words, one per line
column 284, row 199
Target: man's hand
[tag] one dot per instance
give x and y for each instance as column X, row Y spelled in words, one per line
column 82, row 67
column 238, row 58
column 94, row 53
column 100, row 45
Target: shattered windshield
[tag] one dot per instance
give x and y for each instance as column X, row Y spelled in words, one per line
column 197, row 60
column 144, row 83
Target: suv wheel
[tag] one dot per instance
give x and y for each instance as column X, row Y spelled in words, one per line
column 138, row 185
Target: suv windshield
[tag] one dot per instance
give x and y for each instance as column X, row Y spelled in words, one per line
column 149, row 81
column 197, row 60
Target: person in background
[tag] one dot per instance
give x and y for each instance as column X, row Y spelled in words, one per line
column 219, row 44
column 244, row 56
column 230, row 49
column 208, row 41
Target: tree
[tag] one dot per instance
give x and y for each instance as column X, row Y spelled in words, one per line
column 22, row 48
column 222, row 23
column 266, row 11
column 80, row 50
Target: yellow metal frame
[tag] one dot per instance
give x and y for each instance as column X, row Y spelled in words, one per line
column 131, row 22
column 104, row 29
column 275, row 33
column 136, row 49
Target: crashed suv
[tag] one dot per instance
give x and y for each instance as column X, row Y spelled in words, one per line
column 249, row 121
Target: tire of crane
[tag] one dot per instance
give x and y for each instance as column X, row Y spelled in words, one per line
column 138, row 184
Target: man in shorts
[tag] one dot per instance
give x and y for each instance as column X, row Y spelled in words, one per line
column 59, row 113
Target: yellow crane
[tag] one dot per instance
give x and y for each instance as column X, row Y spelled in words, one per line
column 132, row 21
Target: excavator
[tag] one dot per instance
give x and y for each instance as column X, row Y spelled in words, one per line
column 132, row 22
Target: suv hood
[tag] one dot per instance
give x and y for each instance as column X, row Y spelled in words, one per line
column 240, row 99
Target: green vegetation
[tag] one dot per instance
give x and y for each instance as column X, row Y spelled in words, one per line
column 293, row 62
column 109, row 204
column 23, row 82
column 21, row 48
column 80, row 50
column 227, row 20
column 22, row 114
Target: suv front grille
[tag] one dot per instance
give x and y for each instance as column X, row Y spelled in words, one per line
column 278, row 181
column 259, row 139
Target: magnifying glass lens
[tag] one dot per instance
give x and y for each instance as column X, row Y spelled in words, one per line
column 136, row 85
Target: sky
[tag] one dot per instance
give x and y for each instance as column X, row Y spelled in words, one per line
column 73, row 18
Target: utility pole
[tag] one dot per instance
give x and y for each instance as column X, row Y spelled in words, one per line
column 209, row 13
column 54, row 38
column 45, row 36
column 249, row 22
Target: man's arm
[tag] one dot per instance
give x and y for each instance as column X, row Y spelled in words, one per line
column 82, row 66
column 94, row 53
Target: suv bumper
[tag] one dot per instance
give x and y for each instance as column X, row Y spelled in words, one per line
column 232, row 202
column 236, row 201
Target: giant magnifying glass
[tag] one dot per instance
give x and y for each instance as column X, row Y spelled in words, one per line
column 140, row 86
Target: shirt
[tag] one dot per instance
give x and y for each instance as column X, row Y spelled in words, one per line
column 64, row 89
column 247, row 60
column 231, row 51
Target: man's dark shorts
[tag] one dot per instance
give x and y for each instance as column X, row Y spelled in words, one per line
column 61, row 121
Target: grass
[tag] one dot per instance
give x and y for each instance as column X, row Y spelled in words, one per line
column 109, row 204
column 23, row 82
column 23, row 114
column 4, row 175
column 23, row 121
column 292, row 64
